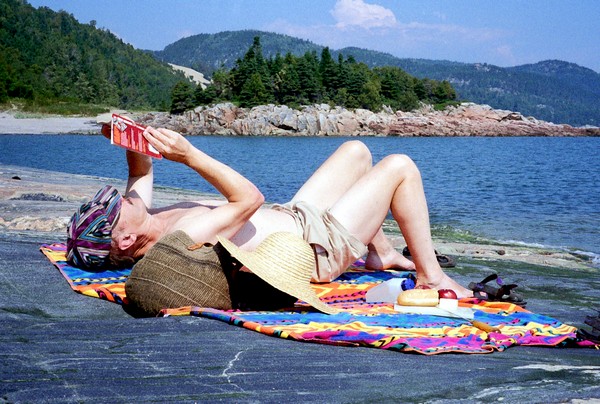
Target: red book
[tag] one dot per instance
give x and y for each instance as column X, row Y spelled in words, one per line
column 126, row 133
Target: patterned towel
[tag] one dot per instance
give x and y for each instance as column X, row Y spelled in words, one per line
column 360, row 323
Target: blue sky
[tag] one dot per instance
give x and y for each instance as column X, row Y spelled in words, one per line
column 503, row 33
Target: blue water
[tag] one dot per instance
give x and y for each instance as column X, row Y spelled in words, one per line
column 542, row 191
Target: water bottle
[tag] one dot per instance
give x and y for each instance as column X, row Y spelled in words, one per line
column 388, row 291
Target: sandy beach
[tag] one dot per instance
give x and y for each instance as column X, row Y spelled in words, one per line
column 11, row 123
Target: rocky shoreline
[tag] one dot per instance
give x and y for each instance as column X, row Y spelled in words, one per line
column 226, row 119
column 466, row 119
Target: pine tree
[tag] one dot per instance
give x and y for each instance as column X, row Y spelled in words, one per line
column 443, row 92
column 182, row 97
column 396, row 85
column 329, row 72
column 289, row 88
column 308, row 75
column 358, row 77
column 252, row 63
column 370, row 97
column 254, row 92
column 221, row 81
column 205, row 96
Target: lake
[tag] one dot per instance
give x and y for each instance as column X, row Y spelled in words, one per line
column 532, row 190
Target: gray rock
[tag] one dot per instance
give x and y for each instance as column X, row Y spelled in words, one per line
column 58, row 346
column 466, row 119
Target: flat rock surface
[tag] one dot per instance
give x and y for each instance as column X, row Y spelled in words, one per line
column 59, row 346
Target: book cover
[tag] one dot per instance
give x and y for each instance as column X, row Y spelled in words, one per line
column 126, row 133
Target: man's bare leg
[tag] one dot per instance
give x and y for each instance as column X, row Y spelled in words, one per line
column 382, row 255
column 333, row 179
column 336, row 175
column 395, row 183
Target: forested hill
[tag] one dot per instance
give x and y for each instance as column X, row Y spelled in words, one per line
column 554, row 91
column 208, row 52
column 48, row 57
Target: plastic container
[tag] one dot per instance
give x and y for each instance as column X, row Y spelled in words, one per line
column 388, row 291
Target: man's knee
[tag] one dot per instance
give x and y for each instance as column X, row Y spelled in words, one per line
column 400, row 164
column 357, row 151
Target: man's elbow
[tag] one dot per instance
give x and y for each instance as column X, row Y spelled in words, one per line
column 257, row 199
column 249, row 200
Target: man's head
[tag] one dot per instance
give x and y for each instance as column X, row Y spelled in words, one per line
column 89, row 233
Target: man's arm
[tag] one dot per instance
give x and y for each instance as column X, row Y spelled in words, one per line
column 243, row 196
column 140, row 178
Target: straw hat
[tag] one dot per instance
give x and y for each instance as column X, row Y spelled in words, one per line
column 286, row 262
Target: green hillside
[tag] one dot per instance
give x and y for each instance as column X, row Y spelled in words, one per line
column 565, row 94
column 207, row 53
column 49, row 58
column 312, row 79
column 555, row 91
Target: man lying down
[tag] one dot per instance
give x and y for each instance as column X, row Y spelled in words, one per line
column 227, row 251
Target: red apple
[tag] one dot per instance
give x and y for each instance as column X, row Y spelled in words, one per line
column 447, row 294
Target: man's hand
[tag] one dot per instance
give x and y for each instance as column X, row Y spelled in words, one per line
column 243, row 198
column 169, row 143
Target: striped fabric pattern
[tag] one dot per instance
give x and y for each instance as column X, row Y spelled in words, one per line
column 90, row 229
column 374, row 325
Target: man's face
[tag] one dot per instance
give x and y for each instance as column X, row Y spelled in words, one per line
column 133, row 214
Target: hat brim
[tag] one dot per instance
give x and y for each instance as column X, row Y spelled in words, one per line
column 286, row 262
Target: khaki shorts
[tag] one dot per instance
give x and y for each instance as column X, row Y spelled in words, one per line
column 335, row 248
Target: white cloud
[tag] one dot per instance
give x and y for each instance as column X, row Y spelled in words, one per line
column 350, row 13
column 371, row 26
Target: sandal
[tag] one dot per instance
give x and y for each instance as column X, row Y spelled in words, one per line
column 594, row 335
column 503, row 293
column 445, row 261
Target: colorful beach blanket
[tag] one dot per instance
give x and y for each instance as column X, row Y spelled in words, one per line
column 360, row 323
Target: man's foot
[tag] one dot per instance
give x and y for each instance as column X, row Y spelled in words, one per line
column 392, row 259
column 445, row 282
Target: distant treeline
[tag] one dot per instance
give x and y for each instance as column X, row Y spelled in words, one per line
column 308, row 79
column 49, row 61
column 48, row 57
column 552, row 90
